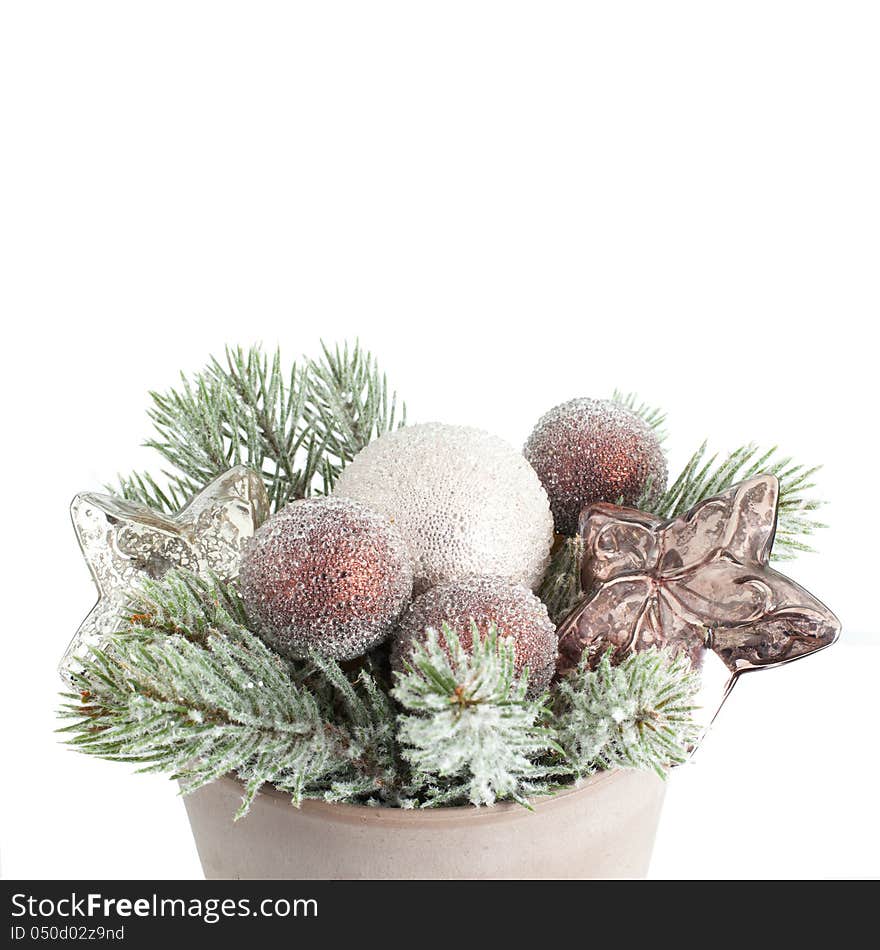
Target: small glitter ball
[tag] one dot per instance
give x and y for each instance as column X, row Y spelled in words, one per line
column 515, row 611
column 465, row 502
column 328, row 574
column 589, row 450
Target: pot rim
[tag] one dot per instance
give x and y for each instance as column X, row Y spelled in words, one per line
column 390, row 817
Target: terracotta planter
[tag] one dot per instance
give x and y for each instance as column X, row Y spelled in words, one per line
column 604, row 828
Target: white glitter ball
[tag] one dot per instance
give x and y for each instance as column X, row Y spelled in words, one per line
column 465, row 502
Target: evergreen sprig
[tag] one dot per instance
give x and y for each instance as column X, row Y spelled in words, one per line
column 706, row 475
column 469, row 731
column 297, row 426
column 190, row 691
column 655, row 418
column 561, row 588
column 193, row 606
column 348, row 404
column 143, row 488
column 637, row 715
column 186, row 688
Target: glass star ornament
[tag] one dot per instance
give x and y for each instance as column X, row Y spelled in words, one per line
column 124, row 542
column 700, row 583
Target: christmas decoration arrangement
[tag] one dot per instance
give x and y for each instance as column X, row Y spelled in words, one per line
column 317, row 596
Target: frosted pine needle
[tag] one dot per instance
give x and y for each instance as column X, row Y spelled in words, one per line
column 468, row 731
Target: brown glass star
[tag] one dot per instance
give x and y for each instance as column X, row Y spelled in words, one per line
column 699, row 582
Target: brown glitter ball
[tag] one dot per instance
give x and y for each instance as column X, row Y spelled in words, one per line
column 514, row 609
column 590, row 450
column 328, row 574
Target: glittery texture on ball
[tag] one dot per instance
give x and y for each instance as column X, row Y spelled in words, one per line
column 589, row 450
column 515, row 611
column 328, row 574
column 465, row 502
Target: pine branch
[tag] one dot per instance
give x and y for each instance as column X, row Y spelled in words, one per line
column 246, row 410
column 704, row 476
column 655, row 418
column 297, row 427
column 272, row 424
column 175, row 707
column 143, row 488
column 370, row 722
column 349, row 404
column 637, row 715
column 468, row 731
column 186, row 604
column 188, row 690
column 210, row 698
column 561, row 589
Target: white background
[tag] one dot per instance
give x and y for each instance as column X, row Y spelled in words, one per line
column 511, row 204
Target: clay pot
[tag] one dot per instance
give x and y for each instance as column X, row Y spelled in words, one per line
column 604, row 828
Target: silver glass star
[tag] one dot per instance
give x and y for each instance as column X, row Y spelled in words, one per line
column 124, row 542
